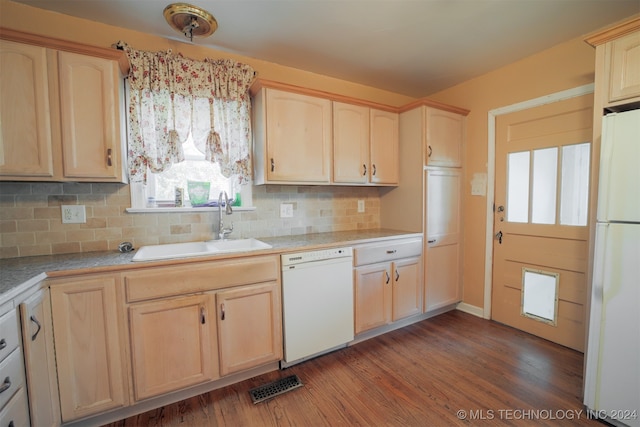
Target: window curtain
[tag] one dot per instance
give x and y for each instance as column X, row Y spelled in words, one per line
column 172, row 97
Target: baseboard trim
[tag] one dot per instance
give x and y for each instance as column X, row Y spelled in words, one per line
column 471, row 309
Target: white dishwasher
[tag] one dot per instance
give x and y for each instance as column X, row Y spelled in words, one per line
column 317, row 299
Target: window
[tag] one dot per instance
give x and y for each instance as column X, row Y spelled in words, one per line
column 160, row 188
column 533, row 184
column 188, row 121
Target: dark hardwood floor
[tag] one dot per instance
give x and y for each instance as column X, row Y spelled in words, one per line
column 453, row 369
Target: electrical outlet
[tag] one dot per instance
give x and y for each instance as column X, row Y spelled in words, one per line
column 286, row 210
column 73, row 214
column 360, row 206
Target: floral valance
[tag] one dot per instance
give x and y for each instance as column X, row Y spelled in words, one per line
column 172, row 98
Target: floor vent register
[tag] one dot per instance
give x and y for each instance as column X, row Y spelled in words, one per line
column 274, row 388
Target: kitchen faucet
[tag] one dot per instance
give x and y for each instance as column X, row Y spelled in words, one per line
column 224, row 232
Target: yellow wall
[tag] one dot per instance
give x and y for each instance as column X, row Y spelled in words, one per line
column 39, row 21
column 564, row 66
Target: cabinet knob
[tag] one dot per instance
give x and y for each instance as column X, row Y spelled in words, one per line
column 109, row 161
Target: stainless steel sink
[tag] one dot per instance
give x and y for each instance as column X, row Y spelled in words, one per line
column 191, row 249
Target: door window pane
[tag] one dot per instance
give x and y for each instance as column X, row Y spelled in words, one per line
column 545, row 181
column 518, row 187
column 540, row 295
column 574, row 192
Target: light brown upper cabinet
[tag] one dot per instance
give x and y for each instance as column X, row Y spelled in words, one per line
column 365, row 145
column 60, row 114
column 292, row 138
column 384, row 147
column 624, row 77
column 90, row 114
column 26, row 144
column 444, row 136
column 617, row 64
column 308, row 137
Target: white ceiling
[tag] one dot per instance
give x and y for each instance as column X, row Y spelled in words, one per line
column 412, row 47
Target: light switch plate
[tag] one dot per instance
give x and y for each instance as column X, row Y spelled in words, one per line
column 286, row 210
column 360, row 206
column 73, row 214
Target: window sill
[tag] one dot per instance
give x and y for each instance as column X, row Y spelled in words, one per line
column 187, row 209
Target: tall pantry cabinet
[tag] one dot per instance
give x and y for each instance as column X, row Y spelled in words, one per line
column 429, row 199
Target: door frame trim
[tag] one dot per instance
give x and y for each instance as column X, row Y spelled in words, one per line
column 491, row 173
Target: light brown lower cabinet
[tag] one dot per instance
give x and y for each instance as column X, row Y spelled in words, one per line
column 88, row 344
column 249, row 326
column 173, row 344
column 388, row 282
column 39, row 356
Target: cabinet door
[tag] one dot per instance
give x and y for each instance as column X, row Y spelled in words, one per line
column 172, row 346
column 249, row 326
column 373, row 296
column 624, row 77
column 407, row 288
column 442, row 265
column 39, row 356
column 445, row 134
column 384, row 147
column 350, row 143
column 89, row 104
column 87, row 337
column 25, row 134
column 298, row 137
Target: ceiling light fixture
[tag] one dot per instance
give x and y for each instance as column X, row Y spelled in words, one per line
column 190, row 20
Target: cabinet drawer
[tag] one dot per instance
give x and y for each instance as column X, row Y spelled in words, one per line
column 170, row 281
column 11, row 376
column 387, row 251
column 9, row 333
column 16, row 413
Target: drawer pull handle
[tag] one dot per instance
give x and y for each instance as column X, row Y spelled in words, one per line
column 392, row 251
column 5, row 385
column 273, row 165
column 109, row 161
column 431, row 241
column 3, row 344
column 34, row 320
column 430, row 151
column 203, row 320
column 397, row 275
column 222, row 313
column 365, row 170
column 374, row 169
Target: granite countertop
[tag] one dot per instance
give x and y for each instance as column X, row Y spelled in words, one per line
column 17, row 274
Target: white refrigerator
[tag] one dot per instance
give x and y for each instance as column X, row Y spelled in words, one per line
column 612, row 375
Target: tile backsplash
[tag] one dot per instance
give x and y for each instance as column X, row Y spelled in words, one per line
column 31, row 219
